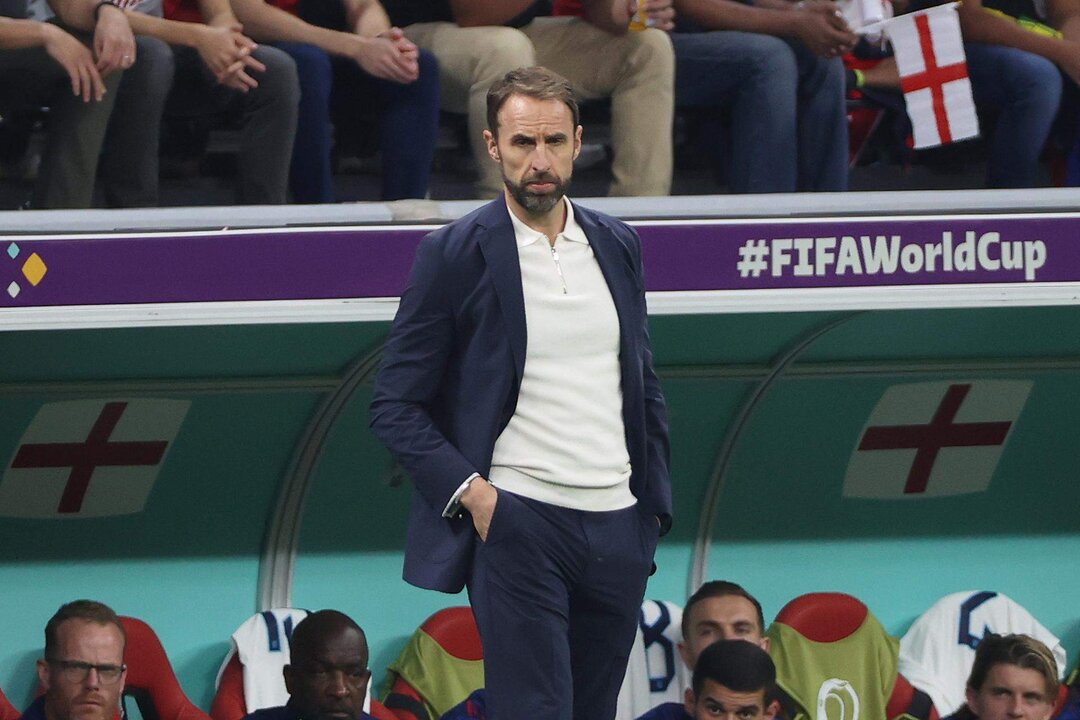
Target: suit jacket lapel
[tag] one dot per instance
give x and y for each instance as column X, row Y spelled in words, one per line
column 613, row 264
column 499, row 248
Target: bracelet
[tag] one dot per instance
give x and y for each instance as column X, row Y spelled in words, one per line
column 101, row 4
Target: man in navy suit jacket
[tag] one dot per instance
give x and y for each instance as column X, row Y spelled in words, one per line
column 517, row 390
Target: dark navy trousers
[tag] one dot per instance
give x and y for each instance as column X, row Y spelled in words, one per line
column 556, row 593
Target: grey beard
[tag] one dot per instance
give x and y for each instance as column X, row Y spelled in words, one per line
column 537, row 204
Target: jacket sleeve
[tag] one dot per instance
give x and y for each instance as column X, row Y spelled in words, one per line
column 658, row 447
column 415, row 359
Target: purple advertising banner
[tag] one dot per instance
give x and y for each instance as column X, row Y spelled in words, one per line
column 696, row 255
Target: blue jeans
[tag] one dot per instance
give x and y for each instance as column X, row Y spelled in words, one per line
column 1024, row 90
column 788, row 117
column 332, row 92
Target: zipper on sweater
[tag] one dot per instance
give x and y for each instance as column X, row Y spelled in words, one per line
column 558, row 267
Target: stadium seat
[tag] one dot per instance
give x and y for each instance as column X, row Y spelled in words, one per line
column 151, row 681
column 937, row 651
column 442, row 663
column 263, row 642
column 7, row 710
column 834, row 661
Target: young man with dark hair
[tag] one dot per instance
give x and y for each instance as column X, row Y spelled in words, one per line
column 733, row 680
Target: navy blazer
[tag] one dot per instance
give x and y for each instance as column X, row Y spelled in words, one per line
column 452, row 368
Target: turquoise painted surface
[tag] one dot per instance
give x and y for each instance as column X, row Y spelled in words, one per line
column 193, row 603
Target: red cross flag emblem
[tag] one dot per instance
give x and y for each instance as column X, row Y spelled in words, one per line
column 930, row 57
column 90, row 458
column 934, row 439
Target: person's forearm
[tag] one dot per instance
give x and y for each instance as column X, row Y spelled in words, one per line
column 366, row 17
column 733, row 15
column 264, row 22
column 173, row 32
column 217, row 12
column 1064, row 15
column 79, row 14
column 18, row 34
column 978, row 25
column 471, row 13
column 612, row 16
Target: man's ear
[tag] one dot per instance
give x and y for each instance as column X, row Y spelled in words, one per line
column 492, row 145
column 690, row 701
column 287, row 673
column 772, row 710
column 577, row 142
column 970, row 694
column 684, row 653
column 43, row 674
column 764, row 643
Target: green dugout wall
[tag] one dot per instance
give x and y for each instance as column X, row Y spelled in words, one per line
column 272, row 490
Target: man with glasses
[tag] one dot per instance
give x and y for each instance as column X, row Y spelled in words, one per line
column 327, row 675
column 83, row 670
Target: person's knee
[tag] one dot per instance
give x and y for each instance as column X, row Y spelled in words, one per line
column 427, row 84
column 279, row 84
column 824, row 83
column 650, row 51
column 153, row 71
column 501, row 49
column 1037, row 81
column 773, row 69
column 314, row 70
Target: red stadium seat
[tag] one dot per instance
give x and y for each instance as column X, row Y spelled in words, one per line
column 440, row 666
column 151, row 681
column 833, row 656
column 7, row 710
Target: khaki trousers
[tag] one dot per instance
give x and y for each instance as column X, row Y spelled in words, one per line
column 636, row 70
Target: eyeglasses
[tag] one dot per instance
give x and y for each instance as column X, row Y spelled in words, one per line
column 76, row 671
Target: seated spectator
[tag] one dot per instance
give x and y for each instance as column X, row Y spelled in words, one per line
column 358, row 61
column 719, row 610
column 327, row 674
column 197, row 61
column 775, row 66
column 42, row 63
column 1017, row 54
column 733, row 680
column 83, row 669
column 1014, row 677
column 1014, row 72
column 599, row 57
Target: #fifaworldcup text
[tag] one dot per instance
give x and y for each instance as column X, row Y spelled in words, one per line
column 888, row 255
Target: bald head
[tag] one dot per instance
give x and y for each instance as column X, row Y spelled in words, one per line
column 327, row 674
column 320, row 629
